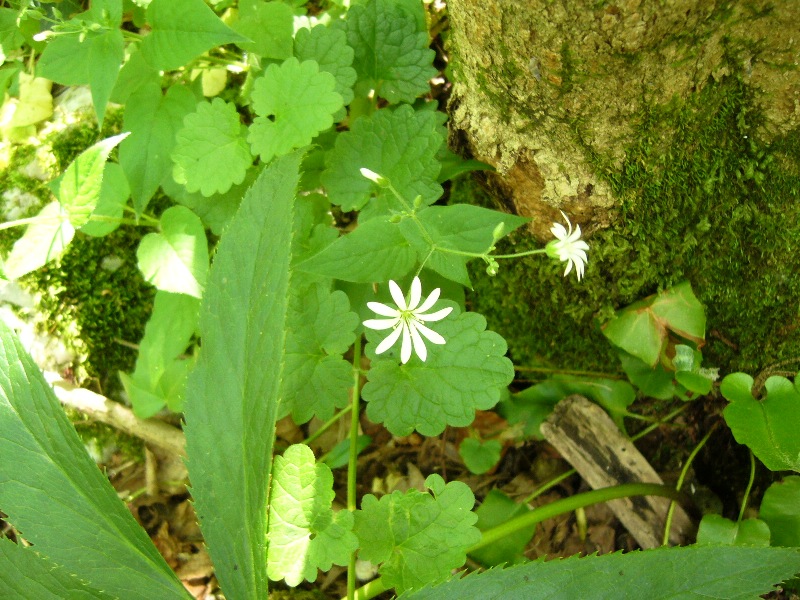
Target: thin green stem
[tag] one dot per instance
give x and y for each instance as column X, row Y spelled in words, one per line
column 519, row 254
column 550, row 484
column 566, row 505
column 327, row 425
column 353, row 461
column 61, row 218
column 369, row 590
column 660, row 422
column 679, row 485
column 568, row 372
column 749, row 487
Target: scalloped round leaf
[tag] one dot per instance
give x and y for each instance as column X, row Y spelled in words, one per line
column 479, row 457
column 175, row 259
column 465, row 374
column 304, row 533
column 391, row 51
column 769, row 426
column 419, row 537
column 399, row 144
column 211, row 137
column 329, row 48
column 294, row 102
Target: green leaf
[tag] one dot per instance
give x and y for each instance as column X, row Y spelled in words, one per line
column 780, row 509
column 655, row 382
column 641, row 329
column 320, row 327
column 719, row 572
column 53, row 492
column 270, row 25
column 133, row 76
column 480, row 456
column 328, row 47
column 176, row 258
column 399, row 144
column 715, row 529
column 10, row 36
column 167, row 334
column 391, row 52
column 465, row 374
column 294, row 102
column 373, row 251
column 182, row 30
column 769, row 426
column 153, row 120
column 80, row 186
column 305, row 534
column 26, row 574
column 211, row 136
column 496, row 509
column 232, row 396
column 42, row 241
column 459, row 227
column 418, row 537
column 339, row 455
column 114, row 194
column 92, row 57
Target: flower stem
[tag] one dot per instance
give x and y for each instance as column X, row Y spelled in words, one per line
column 327, row 425
column 353, row 461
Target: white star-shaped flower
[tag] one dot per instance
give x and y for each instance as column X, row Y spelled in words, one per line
column 568, row 247
column 408, row 320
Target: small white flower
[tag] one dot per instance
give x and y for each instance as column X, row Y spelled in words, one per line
column 568, row 247
column 408, row 320
column 373, row 176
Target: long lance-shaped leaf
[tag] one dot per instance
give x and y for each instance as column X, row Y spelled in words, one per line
column 232, row 396
column 56, row 496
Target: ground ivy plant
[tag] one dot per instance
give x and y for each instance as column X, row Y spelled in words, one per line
column 298, row 149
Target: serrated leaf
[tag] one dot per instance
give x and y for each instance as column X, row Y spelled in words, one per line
column 328, row 47
column 373, row 251
column 53, row 491
column 182, row 30
column 26, row 574
column 153, row 120
column 478, row 456
column 320, row 327
column 722, row 573
column 42, row 242
column 465, row 374
column 780, row 510
column 399, row 144
column 80, row 186
column 92, row 57
column 391, row 52
column 176, row 258
column 269, row 25
column 716, row 529
column 232, row 396
column 114, row 193
column 294, row 102
column 769, row 426
column 418, row 537
column 305, row 534
column 211, row 137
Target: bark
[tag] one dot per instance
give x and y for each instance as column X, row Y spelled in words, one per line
column 668, row 129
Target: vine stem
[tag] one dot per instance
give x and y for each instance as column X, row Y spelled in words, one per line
column 749, row 487
column 542, row 513
column 679, row 485
column 353, row 461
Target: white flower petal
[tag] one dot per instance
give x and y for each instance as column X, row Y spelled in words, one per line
column 405, row 349
column 436, row 316
column 382, row 309
column 415, row 294
column 429, row 301
column 379, row 324
column 558, row 231
column 419, row 345
column 389, row 341
column 430, row 334
column 397, row 295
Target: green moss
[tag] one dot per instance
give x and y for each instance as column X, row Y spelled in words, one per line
column 704, row 199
